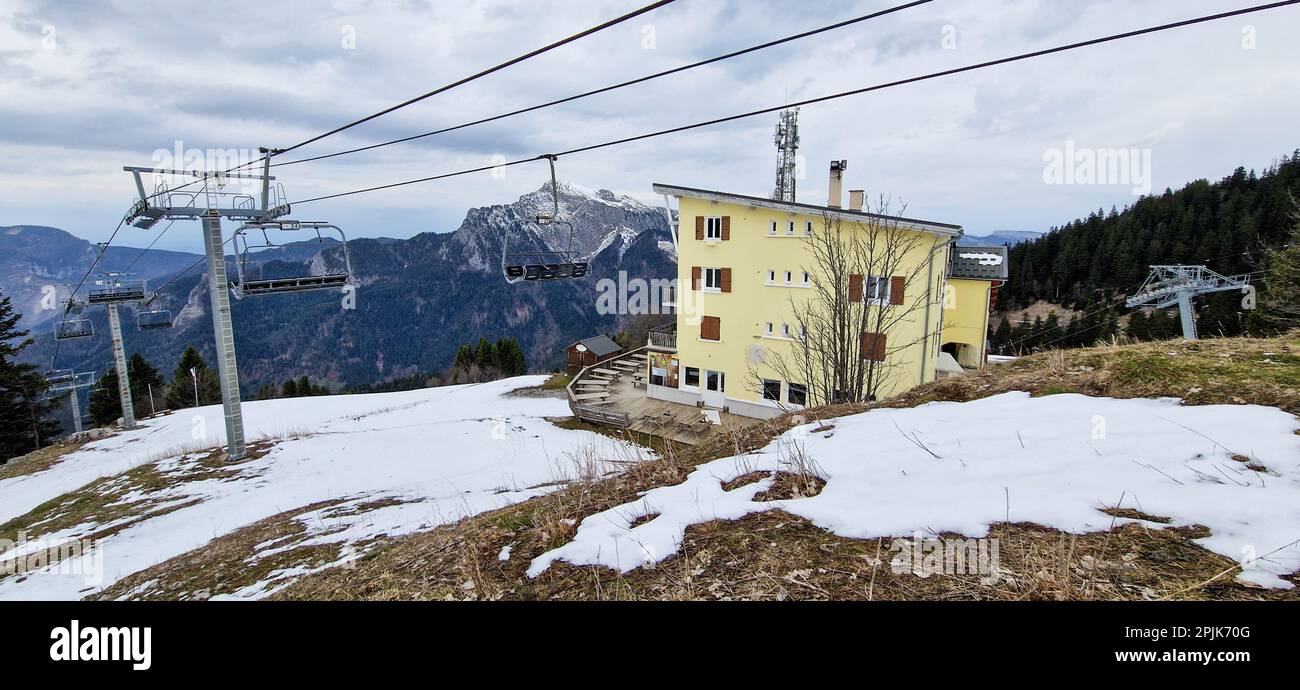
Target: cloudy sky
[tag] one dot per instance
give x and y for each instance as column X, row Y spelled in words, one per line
column 87, row 87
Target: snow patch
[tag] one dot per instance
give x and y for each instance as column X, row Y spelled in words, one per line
column 959, row 467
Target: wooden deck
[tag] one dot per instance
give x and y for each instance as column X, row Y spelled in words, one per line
column 681, row 423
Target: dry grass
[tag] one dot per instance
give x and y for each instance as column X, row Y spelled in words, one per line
column 774, row 555
column 40, row 460
column 226, row 564
column 112, row 504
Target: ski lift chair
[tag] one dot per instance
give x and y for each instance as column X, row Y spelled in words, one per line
column 154, row 319
column 112, row 290
column 71, row 329
column 60, row 378
column 248, row 285
column 548, row 264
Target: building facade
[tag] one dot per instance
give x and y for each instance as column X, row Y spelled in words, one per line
column 974, row 275
column 747, row 270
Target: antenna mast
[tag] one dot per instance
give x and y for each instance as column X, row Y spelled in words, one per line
column 787, row 145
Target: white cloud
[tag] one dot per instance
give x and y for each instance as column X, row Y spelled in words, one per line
column 125, row 79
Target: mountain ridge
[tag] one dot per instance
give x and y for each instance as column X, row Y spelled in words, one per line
column 417, row 299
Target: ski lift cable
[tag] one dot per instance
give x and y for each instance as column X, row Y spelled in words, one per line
column 151, row 244
column 104, row 248
column 158, row 290
column 831, row 97
column 434, row 92
column 620, row 85
column 477, row 75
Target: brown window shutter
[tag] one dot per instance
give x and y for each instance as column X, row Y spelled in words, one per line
column 699, row 227
column 873, row 346
column 711, row 328
column 855, row 288
column 896, row 286
column 726, row 228
column 726, row 280
column 696, row 272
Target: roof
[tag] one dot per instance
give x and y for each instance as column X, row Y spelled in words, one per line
column 600, row 345
column 980, row 263
column 796, row 207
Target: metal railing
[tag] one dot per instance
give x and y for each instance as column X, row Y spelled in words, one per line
column 664, row 336
column 591, row 413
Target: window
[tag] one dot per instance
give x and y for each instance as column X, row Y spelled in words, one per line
column 807, row 228
column 768, row 330
column 711, row 328
column 790, row 228
column 807, row 279
column 771, row 390
column 715, row 381
column 712, row 279
column 785, row 330
column 797, row 394
column 771, row 276
column 713, row 228
column 789, row 277
column 692, row 379
column 873, row 347
column 772, row 230
column 876, row 289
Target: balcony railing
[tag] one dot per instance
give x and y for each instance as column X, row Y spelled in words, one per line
column 664, row 337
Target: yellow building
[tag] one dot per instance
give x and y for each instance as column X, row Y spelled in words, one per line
column 974, row 275
column 747, row 271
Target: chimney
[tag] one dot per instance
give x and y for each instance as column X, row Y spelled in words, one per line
column 855, row 199
column 836, row 195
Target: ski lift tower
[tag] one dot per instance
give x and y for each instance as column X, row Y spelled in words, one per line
column 68, row 381
column 111, row 290
column 253, row 200
column 1170, row 285
column 787, row 145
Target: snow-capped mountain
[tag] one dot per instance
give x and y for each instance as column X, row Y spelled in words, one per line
column 600, row 219
column 417, row 299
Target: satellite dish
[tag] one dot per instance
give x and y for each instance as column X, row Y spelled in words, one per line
column 580, row 347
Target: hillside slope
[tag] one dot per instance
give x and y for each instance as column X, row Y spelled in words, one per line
column 1125, row 552
column 351, row 468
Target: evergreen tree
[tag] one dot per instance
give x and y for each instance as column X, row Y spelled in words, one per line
column 464, row 357
column 181, row 388
column 485, row 355
column 289, row 389
column 105, row 402
column 1002, row 336
column 1279, row 301
column 1139, row 326
column 304, row 387
column 510, row 357
column 25, row 423
column 144, row 378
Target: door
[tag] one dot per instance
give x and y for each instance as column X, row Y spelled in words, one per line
column 715, row 389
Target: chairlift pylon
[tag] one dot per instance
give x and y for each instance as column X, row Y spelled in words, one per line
column 245, row 284
column 547, row 264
